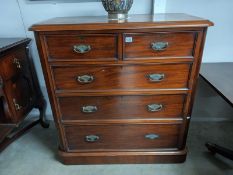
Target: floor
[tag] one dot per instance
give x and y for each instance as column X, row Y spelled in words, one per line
column 35, row 154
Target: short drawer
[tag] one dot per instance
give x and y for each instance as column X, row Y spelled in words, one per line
column 121, row 77
column 159, row 45
column 82, row 47
column 13, row 63
column 123, row 136
column 121, row 107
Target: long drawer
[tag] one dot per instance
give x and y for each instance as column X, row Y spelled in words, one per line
column 82, row 47
column 126, row 77
column 144, row 136
column 121, row 107
column 163, row 44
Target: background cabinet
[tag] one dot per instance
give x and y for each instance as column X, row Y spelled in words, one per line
column 19, row 89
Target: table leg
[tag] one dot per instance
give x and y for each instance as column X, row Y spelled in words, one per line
column 213, row 148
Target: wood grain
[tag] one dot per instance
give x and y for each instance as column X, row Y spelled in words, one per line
column 121, row 88
column 122, row 136
column 121, row 77
column 180, row 44
column 121, row 107
column 103, row 47
column 123, row 157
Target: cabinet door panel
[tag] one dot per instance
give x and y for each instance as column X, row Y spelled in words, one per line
column 19, row 90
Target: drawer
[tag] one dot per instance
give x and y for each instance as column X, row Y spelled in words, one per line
column 157, row 45
column 121, row 107
column 82, row 47
column 13, row 64
column 123, row 136
column 121, row 77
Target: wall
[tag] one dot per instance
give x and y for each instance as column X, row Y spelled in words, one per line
column 11, row 19
column 209, row 106
column 219, row 39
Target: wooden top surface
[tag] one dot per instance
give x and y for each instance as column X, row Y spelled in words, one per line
column 8, row 43
column 220, row 76
column 133, row 22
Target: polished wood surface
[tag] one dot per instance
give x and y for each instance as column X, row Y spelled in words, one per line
column 122, row 157
column 19, row 89
column 122, row 107
column 103, row 47
column 156, row 62
column 122, row 77
column 120, row 137
column 179, row 45
column 168, row 20
column 9, row 67
column 218, row 75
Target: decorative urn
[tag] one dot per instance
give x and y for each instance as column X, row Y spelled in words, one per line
column 117, row 9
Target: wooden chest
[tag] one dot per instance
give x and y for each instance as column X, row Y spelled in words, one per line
column 19, row 90
column 122, row 92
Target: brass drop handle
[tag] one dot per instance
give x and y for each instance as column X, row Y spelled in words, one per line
column 92, row 138
column 89, row 109
column 154, row 107
column 82, row 48
column 159, row 46
column 85, row 79
column 152, row 136
column 17, row 106
column 17, row 63
column 156, row 77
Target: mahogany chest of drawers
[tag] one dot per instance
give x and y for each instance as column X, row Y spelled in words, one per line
column 19, row 90
column 122, row 92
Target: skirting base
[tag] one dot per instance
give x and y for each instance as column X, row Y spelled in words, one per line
column 124, row 157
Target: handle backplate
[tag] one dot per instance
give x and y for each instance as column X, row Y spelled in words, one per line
column 159, row 46
column 82, row 48
column 85, row 79
column 152, row 136
column 89, row 109
column 92, row 138
column 154, row 107
column 17, row 63
column 17, row 106
column 156, row 77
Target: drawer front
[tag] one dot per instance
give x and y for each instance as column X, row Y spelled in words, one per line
column 152, row 46
column 13, row 64
column 82, row 47
column 121, row 107
column 21, row 95
column 145, row 136
column 121, row 77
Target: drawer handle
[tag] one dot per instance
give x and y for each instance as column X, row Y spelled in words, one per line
column 89, row 109
column 85, row 79
column 154, row 107
column 92, row 138
column 152, row 136
column 82, row 48
column 17, row 63
column 159, row 46
column 155, row 77
column 17, row 106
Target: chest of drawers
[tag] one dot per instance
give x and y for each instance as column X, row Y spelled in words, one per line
column 19, row 90
column 122, row 92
